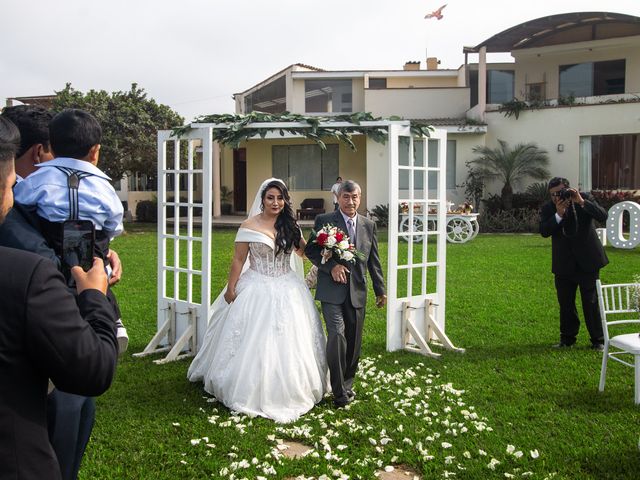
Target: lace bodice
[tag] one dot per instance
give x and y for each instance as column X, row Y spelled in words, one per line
column 263, row 260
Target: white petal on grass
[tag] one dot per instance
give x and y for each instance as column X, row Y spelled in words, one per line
column 534, row 453
column 446, row 445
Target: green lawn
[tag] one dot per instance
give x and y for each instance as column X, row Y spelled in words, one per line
column 480, row 414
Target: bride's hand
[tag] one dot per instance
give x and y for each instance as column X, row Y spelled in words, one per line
column 229, row 296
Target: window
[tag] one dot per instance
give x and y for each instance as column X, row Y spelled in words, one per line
column 272, row 98
column 306, row 167
column 613, row 162
column 328, row 96
column 592, row 78
column 377, row 83
column 140, row 182
column 500, row 86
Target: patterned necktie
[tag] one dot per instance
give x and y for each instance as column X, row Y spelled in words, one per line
column 351, row 231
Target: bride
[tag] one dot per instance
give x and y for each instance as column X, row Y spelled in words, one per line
column 264, row 349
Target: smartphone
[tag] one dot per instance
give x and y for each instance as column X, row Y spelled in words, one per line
column 78, row 241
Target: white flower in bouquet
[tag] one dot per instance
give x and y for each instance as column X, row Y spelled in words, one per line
column 344, row 244
column 331, row 240
column 347, row 255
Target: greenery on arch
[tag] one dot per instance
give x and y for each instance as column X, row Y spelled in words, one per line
column 238, row 127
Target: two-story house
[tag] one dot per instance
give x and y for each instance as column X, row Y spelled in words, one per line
column 573, row 88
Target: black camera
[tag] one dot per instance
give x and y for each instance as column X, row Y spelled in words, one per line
column 565, row 193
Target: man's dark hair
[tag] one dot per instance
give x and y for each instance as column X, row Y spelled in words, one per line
column 555, row 181
column 73, row 132
column 349, row 186
column 32, row 122
column 9, row 143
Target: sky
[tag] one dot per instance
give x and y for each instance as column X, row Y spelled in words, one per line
column 193, row 55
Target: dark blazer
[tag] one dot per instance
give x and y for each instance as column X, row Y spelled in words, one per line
column 21, row 229
column 366, row 242
column 45, row 334
column 574, row 249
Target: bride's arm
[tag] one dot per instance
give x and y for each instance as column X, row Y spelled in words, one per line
column 239, row 257
column 303, row 244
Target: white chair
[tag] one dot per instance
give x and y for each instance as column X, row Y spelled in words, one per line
column 618, row 306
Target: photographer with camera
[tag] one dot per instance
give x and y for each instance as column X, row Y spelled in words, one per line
column 576, row 258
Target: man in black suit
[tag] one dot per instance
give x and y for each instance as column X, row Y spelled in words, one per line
column 577, row 256
column 44, row 334
column 70, row 417
column 342, row 289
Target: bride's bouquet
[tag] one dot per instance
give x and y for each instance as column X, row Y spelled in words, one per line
column 335, row 243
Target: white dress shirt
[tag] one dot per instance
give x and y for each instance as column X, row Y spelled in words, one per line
column 47, row 189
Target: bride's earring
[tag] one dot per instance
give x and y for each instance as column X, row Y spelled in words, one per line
column 262, row 207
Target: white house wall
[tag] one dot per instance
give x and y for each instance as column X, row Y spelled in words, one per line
column 564, row 126
column 418, row 102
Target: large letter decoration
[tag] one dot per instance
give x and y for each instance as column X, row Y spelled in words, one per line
column 614, row 225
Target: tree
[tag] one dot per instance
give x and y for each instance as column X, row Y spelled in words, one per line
column 511, row 166
column 130, row 122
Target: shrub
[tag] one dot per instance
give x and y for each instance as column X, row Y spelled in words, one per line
column 381, row 215
column 517, row 220
column 494, row 203
column 147, row 211
column 608, row 198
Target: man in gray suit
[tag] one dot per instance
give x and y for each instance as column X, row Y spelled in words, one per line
column 342, row 289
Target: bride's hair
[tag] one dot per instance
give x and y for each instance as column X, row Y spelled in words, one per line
column 287, row 230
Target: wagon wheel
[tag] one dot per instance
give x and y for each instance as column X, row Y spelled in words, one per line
column 417, row 227
column 476, row 228
column 459, row 230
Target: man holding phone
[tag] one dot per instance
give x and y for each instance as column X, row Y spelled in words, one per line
column 42, row 332
column 70, row 417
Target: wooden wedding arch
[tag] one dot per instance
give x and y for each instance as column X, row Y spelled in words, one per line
column 188, row 160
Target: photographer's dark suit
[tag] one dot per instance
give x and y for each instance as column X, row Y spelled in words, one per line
column 343, row 305
column 45, row 334
column 577, row 256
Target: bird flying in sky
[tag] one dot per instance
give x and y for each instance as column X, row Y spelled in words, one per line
column 436, row 13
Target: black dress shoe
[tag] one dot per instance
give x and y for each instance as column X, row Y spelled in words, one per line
column 598, row 347
column 351, row 394
column 342, row 402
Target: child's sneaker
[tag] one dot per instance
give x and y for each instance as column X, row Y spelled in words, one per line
column 121, row 335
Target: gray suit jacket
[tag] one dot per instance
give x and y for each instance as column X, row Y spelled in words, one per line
column 366, row 242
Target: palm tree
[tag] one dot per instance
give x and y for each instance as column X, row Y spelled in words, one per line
column 511, row 166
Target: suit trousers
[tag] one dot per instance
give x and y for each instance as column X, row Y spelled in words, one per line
column 344, row 338
column 566, row 288
column 70, row 421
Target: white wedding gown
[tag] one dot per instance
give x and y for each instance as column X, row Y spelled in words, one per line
column 264, row 354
